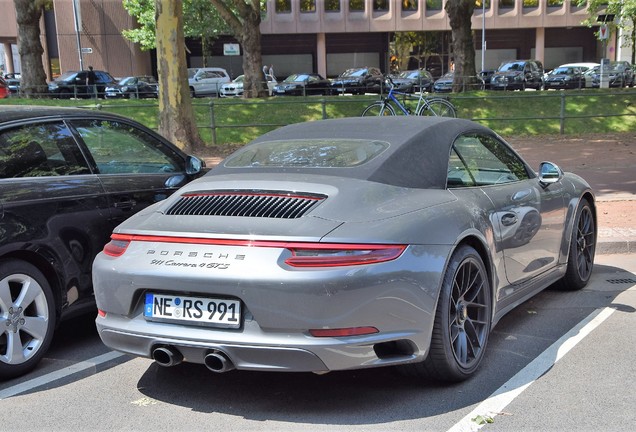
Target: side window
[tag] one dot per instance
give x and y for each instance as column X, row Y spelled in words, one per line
column 119, row 148
column 487, row 160
column 46, row 149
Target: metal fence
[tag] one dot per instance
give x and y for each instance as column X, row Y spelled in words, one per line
column 560, row 106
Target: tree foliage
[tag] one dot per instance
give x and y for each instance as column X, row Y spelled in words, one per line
column 415, row 45
column 200, row 21
column 624, row 12
column 28, row 14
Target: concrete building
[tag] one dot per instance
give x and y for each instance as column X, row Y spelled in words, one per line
column 326, row 36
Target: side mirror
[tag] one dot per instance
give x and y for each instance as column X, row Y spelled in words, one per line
column 549, row 173
column 194, row 165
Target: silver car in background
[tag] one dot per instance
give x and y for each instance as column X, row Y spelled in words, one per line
column 343, row 244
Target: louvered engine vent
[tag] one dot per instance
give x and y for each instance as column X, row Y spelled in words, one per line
column 261, row 204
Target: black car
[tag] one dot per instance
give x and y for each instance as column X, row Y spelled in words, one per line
column 67, row 177
column 133, row 87
column 485, row 75
column 413, row 81
column 518, row 75
column 303, row 84
column 358, row 81
column 73, row 85
column 564, row 77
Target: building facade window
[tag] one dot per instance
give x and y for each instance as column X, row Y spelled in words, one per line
column 283, row 6
column 308, row 6
column 410, row 5
column 434, row 4
column 356, row 5
column 381, row 5
column 484, row 3
column 555, row 3
column 332, row 5
column 506, row 4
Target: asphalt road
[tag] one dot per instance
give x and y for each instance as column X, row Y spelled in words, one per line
column 561, row 361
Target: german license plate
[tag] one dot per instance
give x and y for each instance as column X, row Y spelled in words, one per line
column 213, row 312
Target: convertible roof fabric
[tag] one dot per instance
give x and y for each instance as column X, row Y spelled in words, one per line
column 417, row 156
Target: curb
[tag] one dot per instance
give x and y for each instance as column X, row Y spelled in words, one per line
column 616, row 241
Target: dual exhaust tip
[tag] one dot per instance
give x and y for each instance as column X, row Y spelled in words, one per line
column 216, row 361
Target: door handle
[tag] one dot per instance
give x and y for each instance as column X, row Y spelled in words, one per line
column 125, row 205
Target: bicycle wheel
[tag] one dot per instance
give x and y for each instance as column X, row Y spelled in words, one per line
column 437, row 107
column 378, row 109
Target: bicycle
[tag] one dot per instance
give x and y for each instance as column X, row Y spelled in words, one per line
column 431, row 106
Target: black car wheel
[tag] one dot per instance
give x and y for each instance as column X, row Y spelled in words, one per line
column 27, row 317
column 582, row 249
column 462, row 320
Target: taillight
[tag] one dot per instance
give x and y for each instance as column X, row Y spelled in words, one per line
column 117, row 245
column 341, row 255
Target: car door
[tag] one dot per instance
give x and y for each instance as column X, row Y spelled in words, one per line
column 136, row 167
column 55, row 209
column 528, row 218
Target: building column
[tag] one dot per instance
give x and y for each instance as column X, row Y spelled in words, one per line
column 321, row 54
column 8, row 58
column 539, row 44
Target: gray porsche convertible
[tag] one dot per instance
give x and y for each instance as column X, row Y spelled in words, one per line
column 344, row 244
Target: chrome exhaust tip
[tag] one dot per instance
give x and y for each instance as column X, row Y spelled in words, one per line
column 167, row 356
column 218, row 362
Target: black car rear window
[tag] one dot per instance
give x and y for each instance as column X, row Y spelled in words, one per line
column 308, row 153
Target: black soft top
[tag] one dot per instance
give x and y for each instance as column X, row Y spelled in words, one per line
column 417, row 155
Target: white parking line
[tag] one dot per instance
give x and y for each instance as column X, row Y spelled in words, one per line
column 45, row 379
column 505, row 394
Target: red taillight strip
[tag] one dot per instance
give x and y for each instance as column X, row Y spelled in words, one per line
column 375, row 253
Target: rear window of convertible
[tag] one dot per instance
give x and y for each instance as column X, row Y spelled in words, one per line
column 308, row 153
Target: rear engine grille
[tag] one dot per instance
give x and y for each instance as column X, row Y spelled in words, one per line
column 261, row 204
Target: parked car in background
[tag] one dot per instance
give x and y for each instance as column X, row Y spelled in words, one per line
column 68, row 176
column 485, row 76
column 411, row 81
column 358, row 81
column 345, row 244
column 444, row 84
column 4, row 89
column 518, row 75
column 134, row 87
column 621, row 74
column 207, row 81
column 73, row 85
column 13, row 81
column 564, row 77
column 303, row 84
column 234, row 88
column 584, row 67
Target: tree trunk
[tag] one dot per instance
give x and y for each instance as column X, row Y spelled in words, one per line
column 243, row 17
column 254, row 84
column 460, row 13
column 176, row 115
column 33, row 81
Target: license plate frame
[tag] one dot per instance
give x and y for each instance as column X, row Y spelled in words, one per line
column 193, row 310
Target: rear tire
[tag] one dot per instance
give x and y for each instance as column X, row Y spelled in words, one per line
column 437, row 107
column 27, row 317
column 462, row 321
column 378, row 109
column 582, row 250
